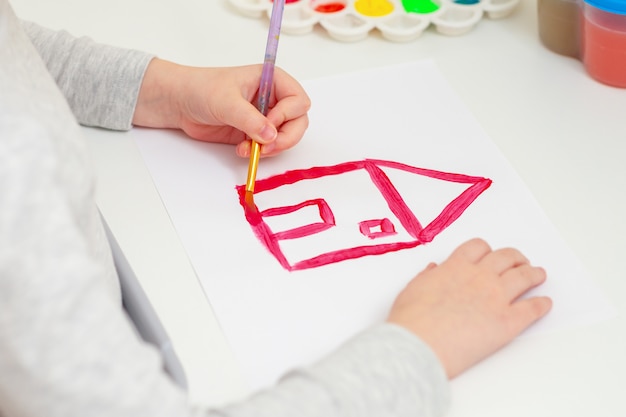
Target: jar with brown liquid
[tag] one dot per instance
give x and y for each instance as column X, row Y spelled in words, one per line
column 559, row 26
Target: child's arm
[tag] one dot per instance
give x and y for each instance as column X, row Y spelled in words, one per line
column 99, row 82
column 115, row 88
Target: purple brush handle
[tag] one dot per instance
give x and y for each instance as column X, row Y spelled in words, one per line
column 267, row 75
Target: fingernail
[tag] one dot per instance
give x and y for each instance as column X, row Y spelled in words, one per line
column 268, row 133
column 244, row 148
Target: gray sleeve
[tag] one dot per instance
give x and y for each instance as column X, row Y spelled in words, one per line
column 100, row 82
column 384, row 371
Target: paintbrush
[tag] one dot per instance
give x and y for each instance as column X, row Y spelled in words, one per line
column 265, row 89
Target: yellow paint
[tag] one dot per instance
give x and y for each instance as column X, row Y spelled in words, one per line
column 373, row 8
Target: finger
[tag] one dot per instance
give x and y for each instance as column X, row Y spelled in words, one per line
column 290, row 115
column 518, row 281
column 243, row 116
column 504, row 259
column 289, row 135
column 289, row 108
column 526, row 312
column 287, row 86
column 430, row 266
column 290, row 103
column 473, row 250
column 243, row 149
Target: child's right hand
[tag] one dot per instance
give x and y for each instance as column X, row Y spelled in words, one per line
column 216, row 105
column 468, row 307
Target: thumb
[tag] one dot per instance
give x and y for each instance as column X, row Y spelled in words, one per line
column 249, row 120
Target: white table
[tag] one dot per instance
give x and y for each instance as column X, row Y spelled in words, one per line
column 563, row 132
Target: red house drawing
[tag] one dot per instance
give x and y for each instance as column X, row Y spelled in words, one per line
column 397, row 229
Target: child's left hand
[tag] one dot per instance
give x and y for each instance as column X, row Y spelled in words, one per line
column 215, row 105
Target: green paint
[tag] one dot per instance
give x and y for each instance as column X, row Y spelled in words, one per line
column 420, row 6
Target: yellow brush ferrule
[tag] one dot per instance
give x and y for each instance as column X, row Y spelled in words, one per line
column 255, row 154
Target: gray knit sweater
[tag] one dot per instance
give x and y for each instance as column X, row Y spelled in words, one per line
column 66, row 347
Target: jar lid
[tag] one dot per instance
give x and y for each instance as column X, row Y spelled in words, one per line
column 611, row 6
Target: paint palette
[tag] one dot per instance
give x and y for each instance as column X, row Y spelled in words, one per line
column 397, row 20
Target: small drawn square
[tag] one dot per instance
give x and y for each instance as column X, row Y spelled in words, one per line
column 377, row 228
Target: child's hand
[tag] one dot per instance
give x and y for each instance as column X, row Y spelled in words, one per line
column 217, row 105
column 468, row 307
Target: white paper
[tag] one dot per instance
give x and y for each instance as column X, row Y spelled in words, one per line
column 275, row 319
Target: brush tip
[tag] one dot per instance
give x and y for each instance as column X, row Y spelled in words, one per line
column 249, row 199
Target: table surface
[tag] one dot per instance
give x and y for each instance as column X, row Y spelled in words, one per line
column 564, row 133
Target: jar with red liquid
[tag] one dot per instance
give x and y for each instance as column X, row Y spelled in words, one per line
column 603, row 49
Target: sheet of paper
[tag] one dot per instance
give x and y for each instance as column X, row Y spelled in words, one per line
column 394, row 172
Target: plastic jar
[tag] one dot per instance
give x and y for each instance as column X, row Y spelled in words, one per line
column 604, row 41
column 559, row 26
